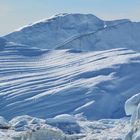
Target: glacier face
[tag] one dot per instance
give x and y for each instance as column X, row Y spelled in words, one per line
column 79, row 32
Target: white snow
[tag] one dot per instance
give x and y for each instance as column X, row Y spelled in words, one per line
column 60, row 27
column 61, row 81
column 83, row 32
column 64, row 118
column 68, row 66
column 67, row 82
column 85, row 105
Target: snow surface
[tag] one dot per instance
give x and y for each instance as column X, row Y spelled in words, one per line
column 73, row 73
column 83, row 32
column 67, row 82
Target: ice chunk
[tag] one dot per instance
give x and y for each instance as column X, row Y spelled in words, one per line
column 67, row 123
column 3, row 123
column 132, row 107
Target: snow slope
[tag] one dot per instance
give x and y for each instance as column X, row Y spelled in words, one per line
column 79, row 32
column 74, row 66
column 60, row 27
column 45, row 83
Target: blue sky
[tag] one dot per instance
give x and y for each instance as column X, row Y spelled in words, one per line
column 17, row 13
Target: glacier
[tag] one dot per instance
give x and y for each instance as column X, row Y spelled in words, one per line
column 75, row 74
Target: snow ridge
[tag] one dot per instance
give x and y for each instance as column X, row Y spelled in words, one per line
column 84, row 32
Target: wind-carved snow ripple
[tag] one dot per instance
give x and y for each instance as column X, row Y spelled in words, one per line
column 48, row 83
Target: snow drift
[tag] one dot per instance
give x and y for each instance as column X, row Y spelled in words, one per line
column 44, row 83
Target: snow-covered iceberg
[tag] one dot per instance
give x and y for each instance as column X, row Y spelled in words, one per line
column 68, row 66
column 84, row 32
